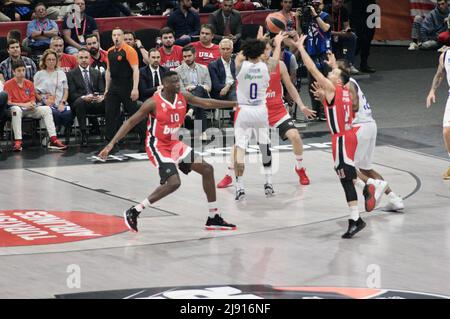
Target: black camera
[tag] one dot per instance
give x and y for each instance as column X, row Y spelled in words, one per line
column 305, row 13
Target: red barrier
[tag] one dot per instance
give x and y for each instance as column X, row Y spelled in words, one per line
column 134, row 23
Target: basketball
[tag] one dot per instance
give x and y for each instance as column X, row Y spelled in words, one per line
column 276, row 22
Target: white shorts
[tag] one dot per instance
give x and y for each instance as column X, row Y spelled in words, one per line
column 366, row 133
column 251, row 119
column 446, row 122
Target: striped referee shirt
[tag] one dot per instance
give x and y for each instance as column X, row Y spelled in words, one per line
column 30, row 68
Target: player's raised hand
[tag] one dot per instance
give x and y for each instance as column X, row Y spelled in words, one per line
column 280, row 37
column 431, row 98
column 105, row 152
column 318, row 91
column 331, row 61
column 310, row 114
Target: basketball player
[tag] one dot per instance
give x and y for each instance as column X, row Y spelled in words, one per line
column 365, row 128
column 338, row 109
column 279, row 118
column 443, row 68
column 252, row 77
column 166, row 111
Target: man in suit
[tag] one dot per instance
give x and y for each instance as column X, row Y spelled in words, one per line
column 150, row 76
column 195, row 79
column 86, row 89
column 227, row 23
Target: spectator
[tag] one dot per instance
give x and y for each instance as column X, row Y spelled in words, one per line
column 16, row 10
column 171, row 54
column 344, row 40
column 136, row 44
column 286, row 11
column 444, row 37
column 99, row 57
column 223, row 73
column 206, row 51
column 86, row 92
column 56, row 10
column 318, row 44
column 185, row 22
column 76, row 27
column 67, row 62
column 227, row 22
column 52, row 90
column 14, row 53
column 150, row 76
column 41, row 30
column 425, row 32
column 22, row 99
column 195, row 79
column 122, row 80
column 364, row 32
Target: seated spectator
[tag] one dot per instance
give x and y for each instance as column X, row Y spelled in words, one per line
column 150, row 76
column 444, row 37
column 41, row 30
column 86, row 92
column 16, row 10
column 227, row 22
column 56, row 10
column 67, row 62
column 425, row 32
column 344, row 39
column 171, row 54
column 22, row 102
column 76, row 27
column 185, row 22
column 99, row 57
column 210, row 6
column 136, row 44
column 14, row 52
column 52, row 90
column 195, row 79
column 223, row 73
column 206, row 51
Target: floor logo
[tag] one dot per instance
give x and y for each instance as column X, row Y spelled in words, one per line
column 37, row 227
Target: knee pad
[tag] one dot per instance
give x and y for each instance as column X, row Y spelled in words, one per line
column 350, row 191
column 266, row 154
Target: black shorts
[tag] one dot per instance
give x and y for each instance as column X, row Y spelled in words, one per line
column 284, row 127
column 168, row 169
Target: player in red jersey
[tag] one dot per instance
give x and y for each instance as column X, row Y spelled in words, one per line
column 339, row 112
column 279, row 117
column 166, row 111
column 171, row 54
column 205, row 50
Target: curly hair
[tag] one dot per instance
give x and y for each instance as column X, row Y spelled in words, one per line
column 253, row 48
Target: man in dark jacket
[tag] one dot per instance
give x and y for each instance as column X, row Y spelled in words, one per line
column 227, row 22
column 150, row 76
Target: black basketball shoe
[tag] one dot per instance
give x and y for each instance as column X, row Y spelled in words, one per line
column 268, row 190
column 218, row 223
column 354, row 227
column 240, row 194
column 130, row 217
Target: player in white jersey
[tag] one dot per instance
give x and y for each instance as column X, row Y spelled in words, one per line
column 444, row 67
column 365, row 128
column 251, row 115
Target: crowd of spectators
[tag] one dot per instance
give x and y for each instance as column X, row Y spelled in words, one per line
column 62, row 74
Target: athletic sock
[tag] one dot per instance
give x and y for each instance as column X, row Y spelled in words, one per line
column 239, row 182
column 213, row 210
column 143, row 205
column 354, row 212
column 299, row 163
column 268, row 174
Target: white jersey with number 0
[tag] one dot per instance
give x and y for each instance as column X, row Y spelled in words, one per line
column 364, row 114
column 252, row 83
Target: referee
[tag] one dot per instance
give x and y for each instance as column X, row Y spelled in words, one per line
column 122, row 79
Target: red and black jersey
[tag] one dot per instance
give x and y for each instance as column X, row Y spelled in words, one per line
column 339, row 113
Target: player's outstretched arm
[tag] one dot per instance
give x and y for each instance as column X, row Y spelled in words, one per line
column 326, row 84
column 208, row 103
column 437, row 80
column 146, row 108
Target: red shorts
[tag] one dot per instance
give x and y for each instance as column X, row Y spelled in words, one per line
column 276, row 114
column 166, row 152
column 344, row 149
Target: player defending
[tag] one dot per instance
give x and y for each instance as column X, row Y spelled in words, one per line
column 166, row 111
column 338, row 110
column 443, row 68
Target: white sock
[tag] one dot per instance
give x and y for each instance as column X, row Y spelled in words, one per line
column 268, row 173
column 299, row 163
column 392, row 195
column 213, row 210
column 360, row 183
column 239, row 182
column 143, row 205
column 354, row 212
